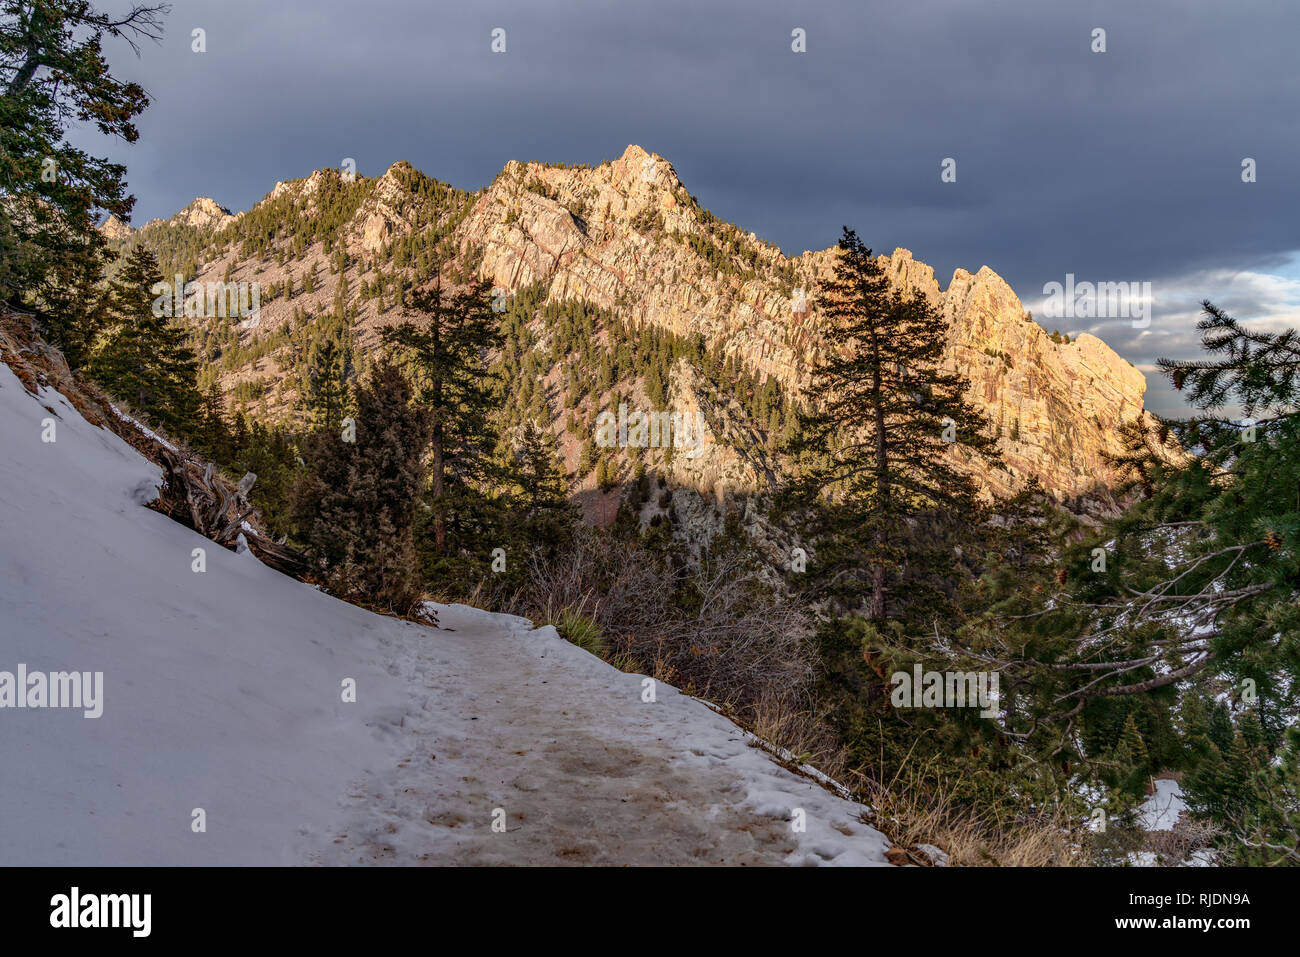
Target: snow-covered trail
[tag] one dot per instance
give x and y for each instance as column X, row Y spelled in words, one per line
column 581, row 768
column 222, row 693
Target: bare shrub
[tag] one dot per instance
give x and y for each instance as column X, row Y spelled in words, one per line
column 711, row 628
column 1176, row 845
column 799, row 728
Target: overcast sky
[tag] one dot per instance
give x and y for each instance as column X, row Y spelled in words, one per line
column 1122, row 166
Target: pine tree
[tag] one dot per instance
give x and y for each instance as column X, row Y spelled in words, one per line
column 1131, row 769
column 239, row 433
column 268, row 453
column 144, row 358
column 52, row 73
column 587, row 458
column 654, row 388
column 541, row 515
column 327, row 372
column 74, row 307
column 883, row 447
column 444, row 348
column 213, row 434
column 357, row 502
column 606, row 472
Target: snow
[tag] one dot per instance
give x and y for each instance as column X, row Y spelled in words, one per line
column 224, row 691
column 144, row 429
column 1160, row 811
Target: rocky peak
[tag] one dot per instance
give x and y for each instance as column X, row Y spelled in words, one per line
column 203, row 212
column 627, row 236
column 114, row 230
column 1056, row 407
column 637, row 168
column 389, row 211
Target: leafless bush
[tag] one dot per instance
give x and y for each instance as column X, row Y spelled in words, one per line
column 798, row 727
column 711, row 628
column 1177, row 844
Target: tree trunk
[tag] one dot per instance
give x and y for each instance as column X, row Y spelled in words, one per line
column 439, row 482
column 439, row 514
column 878, row 588
column 24, row 75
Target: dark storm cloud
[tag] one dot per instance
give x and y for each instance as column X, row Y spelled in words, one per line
column 1122, row 166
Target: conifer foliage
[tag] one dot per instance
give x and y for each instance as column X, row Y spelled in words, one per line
column 443, row 345
column 882, row 447
column 144, row 357
column 1170, row 637
column 53, row 72
column 543, row 516
column 356, row 501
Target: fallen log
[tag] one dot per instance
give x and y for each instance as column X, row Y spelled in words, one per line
column 200, row 499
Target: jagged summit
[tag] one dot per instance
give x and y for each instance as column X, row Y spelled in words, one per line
column 203, row 212
column 114, row 230
column 627, row 236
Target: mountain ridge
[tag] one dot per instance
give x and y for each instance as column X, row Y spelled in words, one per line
column 626, row 236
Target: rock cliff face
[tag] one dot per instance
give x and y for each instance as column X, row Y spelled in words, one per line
column 204, row 213
column 627, row 236
column 114, row 230
column 613, row 236
column 1056, row 406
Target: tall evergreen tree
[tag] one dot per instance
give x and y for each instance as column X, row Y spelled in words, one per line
column 143, row 357
column 444, row 346
column 213, row 434
column 327, row 372
column 357, row 501
column 543, row 490
column 73, row 306
column 537, row 515
column 883, row 446
column 52, row 72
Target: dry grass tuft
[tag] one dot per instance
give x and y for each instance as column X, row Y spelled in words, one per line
column 912, row 810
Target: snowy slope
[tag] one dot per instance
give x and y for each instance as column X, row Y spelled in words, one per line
column 222, row 691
